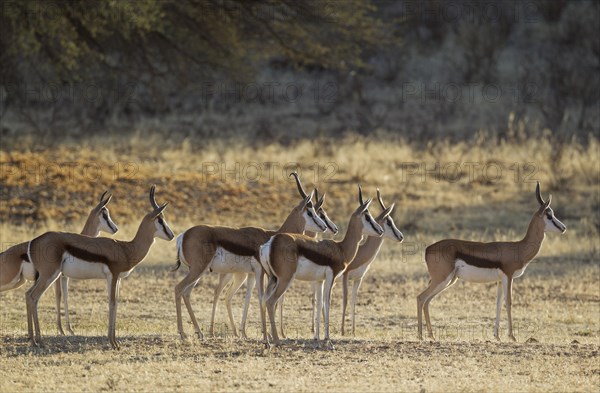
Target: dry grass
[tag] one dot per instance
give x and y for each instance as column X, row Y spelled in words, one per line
column 556, row 303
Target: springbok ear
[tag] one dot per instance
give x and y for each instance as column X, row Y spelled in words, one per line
column 307, row 200
column 320, row 200
column 159, row 209
column 362, row 208
column 389, row 210
column 106, row 201
column 549, row 200
column 103, row 195
column 538, row 194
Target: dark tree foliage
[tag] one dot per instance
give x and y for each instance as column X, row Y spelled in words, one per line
column 186, row 40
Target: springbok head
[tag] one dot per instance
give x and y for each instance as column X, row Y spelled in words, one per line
column 156, row 216
column 317, row 222
column 551, row 223
column 390, row 231
column 370, row 227
column 102, row 215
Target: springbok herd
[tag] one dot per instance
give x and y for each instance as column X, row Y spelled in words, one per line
column 251, row 254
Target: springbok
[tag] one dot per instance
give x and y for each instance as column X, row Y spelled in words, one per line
column 365, row 256
column 240, row 277
column 226, row 250
column 83, row 257
column 287, row 256
column 358, row 268
column 450, row 259
column 15, row 268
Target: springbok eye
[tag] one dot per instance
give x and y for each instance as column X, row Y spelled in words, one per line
column 160, row 220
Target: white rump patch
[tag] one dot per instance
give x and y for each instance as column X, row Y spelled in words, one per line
column 265, row 256
column 28, row 271
column 476, row 274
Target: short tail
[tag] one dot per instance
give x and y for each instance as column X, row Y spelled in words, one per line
column 265, row 257
column 28, row 255
column 179, row 243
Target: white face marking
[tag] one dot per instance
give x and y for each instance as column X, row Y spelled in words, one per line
column 307, row 270
column 79, row 269
column 160, row 231
column 227, row 262
column 391, row 232
column 312, row 222
column 106, row 223
column 370, row 227
column 476, row 274
column 552, row 224
column 330, row 224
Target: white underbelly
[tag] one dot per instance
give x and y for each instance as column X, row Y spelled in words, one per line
column 79, row 269
column 307, row 270
column 476, row 274
column 228, row 262
column 28, row 271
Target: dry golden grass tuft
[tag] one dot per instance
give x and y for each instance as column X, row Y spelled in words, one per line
column 556, row 303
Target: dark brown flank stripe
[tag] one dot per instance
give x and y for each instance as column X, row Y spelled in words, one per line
column 320, row 259
column 238, row 249
column 477, row 261
column 86, row 255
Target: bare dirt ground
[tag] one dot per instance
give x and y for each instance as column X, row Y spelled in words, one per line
column 556, row 304
column 556, row 320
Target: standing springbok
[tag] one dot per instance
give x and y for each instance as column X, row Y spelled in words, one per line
column 15, row 267
column 228, row 250
column 365, row 256
column 450, row 259
column 240, row 277
column 358, row 268
column 287, row 256
column 83, row 257
column 330, row 225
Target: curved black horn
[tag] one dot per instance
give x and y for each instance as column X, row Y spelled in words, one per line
column 152, row 200
column 360, row 197
column 379, row 199
column 303, row 193
column 538, row 194
column 103, row 195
